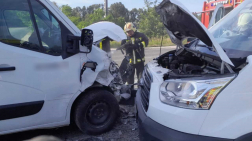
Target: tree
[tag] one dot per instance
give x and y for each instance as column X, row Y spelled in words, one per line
column 67, row 10
column 134, row 15
column 77, row 12
column 97, row 16
column 92, row 8
column 198, row 16
column 55, row 4
column 84, row 12
column 75, row 19
column 73, row 14
column 150, row 22
column 146, row 19
column 118, row 10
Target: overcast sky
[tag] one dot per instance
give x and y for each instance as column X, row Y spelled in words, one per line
column 192, row 5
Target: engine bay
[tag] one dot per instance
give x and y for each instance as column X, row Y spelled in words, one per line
column 184, row 64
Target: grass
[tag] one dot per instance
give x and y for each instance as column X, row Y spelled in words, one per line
column 153, row 42
column 156, row 42
column 115, row 44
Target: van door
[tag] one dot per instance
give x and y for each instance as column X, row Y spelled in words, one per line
column 217, row 15
column 36, row 82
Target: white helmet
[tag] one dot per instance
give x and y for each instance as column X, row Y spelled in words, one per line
column 129, row 26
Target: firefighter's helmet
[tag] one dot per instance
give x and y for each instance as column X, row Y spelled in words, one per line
column 245, row 19
column 129, row 26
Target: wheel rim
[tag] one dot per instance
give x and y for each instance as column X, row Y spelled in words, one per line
column 98, row 113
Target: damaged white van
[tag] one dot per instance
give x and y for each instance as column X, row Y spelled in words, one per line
column 202, row 90
column 50, row 72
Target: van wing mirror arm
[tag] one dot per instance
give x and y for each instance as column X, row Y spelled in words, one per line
column 85, row 40
column 73, row 44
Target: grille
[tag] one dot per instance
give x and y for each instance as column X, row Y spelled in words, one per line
column 145, row 89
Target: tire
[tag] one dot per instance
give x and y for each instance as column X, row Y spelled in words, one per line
column 96, row 112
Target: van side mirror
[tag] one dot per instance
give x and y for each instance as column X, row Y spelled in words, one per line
column 87, row 40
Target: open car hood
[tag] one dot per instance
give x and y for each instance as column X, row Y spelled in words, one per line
column 105, row 29
column 181, row 24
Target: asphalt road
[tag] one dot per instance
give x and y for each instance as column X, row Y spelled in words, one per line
column 124, row 130
column 150, row 53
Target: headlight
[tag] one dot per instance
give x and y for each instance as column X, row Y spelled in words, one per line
column 192, row 94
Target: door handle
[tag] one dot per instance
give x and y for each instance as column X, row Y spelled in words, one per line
column 5, row 67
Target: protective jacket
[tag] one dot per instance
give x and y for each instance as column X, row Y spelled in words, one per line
column 134, row 47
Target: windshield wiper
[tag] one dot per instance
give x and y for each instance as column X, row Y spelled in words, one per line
column 200, row 45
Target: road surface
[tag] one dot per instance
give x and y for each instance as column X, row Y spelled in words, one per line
column 150, row 53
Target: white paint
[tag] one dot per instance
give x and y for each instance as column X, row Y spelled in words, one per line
column 183, row 120
column 104, row 29
column 229, row 117
column 216, row 45
column 231, row 114
column 43, row 77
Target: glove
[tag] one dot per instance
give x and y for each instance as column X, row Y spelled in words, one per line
column 125, row 46
column 128, row 45
column 135, row 46
column 128, row 42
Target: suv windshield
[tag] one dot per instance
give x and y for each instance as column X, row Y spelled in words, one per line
column 234, row 31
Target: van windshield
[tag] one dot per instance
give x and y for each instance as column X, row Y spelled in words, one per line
column 234, row 31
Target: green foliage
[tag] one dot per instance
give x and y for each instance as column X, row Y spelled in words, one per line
column 146, row 19
column 19, row 18
column 118, row 10
column 67, row 10
column 92, row 8
column 74, row 19
column 198, row 16
column 150, row 24
column 77, row 12
column 97, row 16
column 156, row 42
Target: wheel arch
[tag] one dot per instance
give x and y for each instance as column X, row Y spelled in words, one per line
column 95, row 86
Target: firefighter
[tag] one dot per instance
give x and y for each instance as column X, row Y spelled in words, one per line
column 134, row 47
column 245, row 24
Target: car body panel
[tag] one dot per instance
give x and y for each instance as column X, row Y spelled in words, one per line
column 51, row 79
column 230, row 115
column 176, row 18
column 183, row 120
column 102, row 30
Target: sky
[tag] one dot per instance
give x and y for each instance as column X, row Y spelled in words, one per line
column 192, row 5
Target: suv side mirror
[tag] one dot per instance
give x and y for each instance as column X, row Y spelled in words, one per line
column 87, row 40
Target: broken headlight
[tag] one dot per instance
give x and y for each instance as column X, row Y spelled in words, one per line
column 192, row 94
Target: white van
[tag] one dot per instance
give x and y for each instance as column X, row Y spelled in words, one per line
column 202, row 90
column 49, row 72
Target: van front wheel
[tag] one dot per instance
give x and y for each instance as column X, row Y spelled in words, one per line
column 96, row 112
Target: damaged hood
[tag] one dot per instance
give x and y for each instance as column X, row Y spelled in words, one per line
column 181, row 24
column 102, row 30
